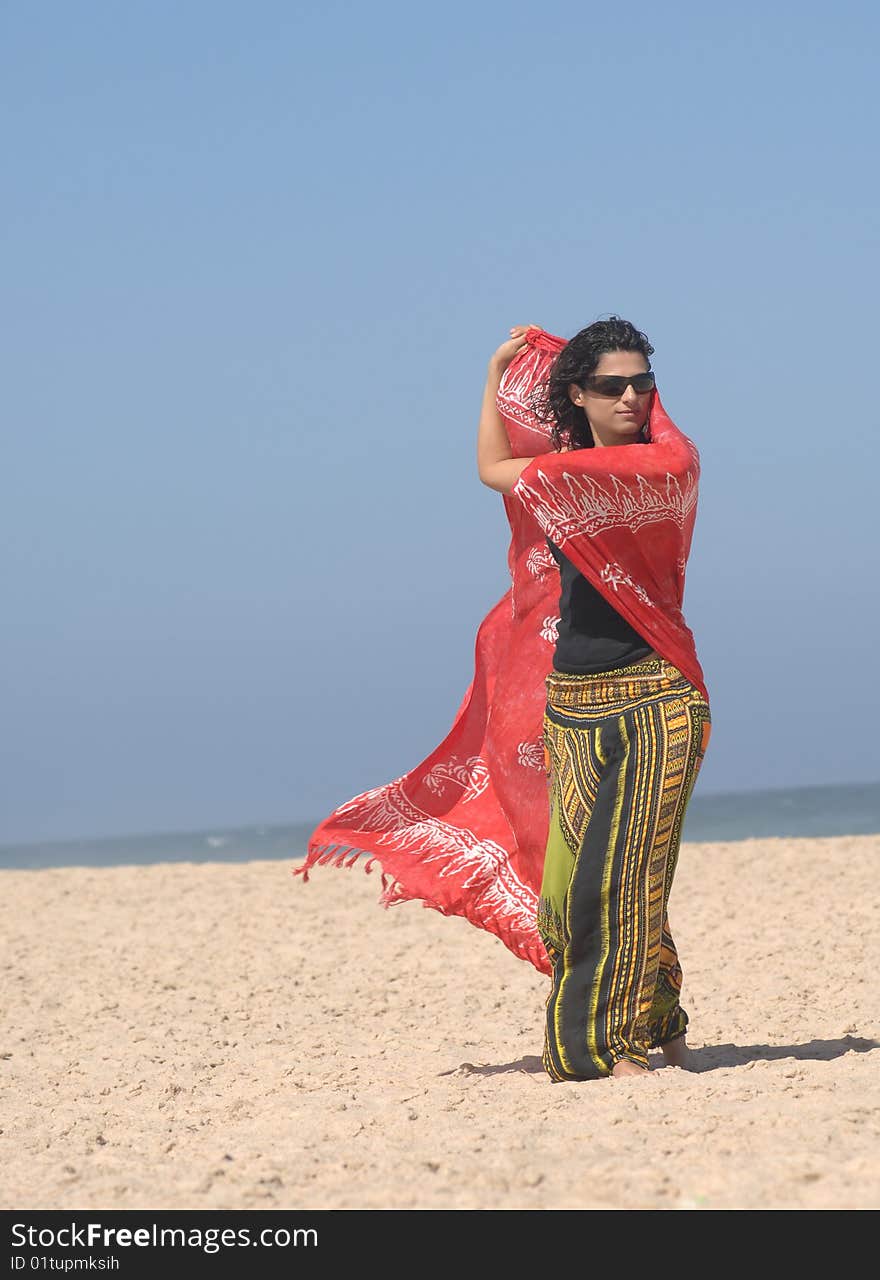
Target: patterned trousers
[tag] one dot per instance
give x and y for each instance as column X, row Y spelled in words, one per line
column 622, row 749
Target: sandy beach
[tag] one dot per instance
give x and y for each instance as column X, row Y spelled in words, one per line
column 227, row 1037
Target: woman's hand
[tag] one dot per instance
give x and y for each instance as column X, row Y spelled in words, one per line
column 505, row 353
column 497, row 467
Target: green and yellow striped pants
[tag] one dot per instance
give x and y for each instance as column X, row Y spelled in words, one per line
column 623, row 749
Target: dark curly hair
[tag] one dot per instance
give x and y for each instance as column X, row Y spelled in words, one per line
column 576, row 361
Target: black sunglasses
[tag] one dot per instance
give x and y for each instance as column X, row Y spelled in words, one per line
column 613, row 384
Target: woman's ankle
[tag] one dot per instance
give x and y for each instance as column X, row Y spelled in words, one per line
column 676, row 1053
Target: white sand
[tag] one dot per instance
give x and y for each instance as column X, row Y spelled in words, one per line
column 216, row 1036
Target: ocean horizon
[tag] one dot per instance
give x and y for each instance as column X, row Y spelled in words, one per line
column 852, row 809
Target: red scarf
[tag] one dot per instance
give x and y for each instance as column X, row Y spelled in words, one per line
column 465, row 830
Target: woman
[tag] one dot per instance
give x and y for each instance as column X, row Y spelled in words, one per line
column 625, row 730
column 620, row 726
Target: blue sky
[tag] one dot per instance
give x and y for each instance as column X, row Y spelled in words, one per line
column 255, row 259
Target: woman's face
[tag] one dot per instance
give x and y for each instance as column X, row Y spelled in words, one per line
column 615, row 420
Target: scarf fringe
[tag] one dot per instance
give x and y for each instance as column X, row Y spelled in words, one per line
column 346, row 855
column 395, row 891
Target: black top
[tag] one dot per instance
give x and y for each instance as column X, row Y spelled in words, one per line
column 592, row 634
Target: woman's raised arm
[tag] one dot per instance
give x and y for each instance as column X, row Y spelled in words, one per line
column 497, row 467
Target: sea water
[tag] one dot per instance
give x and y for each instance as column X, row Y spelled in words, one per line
column 803, row 811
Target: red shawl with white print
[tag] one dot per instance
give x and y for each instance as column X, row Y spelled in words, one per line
column 465, row 830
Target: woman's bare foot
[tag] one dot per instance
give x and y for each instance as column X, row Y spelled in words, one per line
column 627, row 1068
column 677, row 1054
